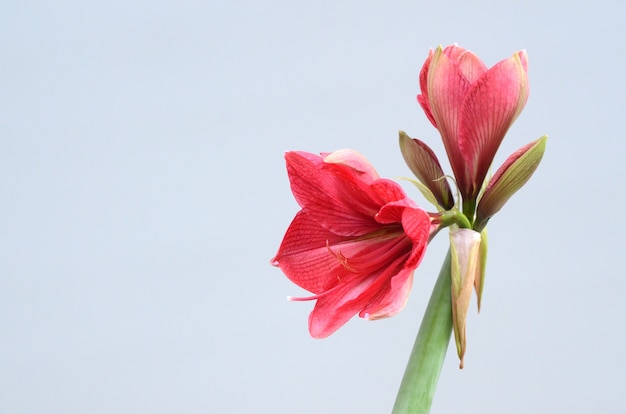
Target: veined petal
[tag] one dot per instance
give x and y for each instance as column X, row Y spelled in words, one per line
column 416, row 226
column 423, row 97
column 385, row 191
column 447, row 87
column 317, row 260
column 374, row 294
column 334, row 309
column 453, row 51
column 391, row 300
column 489, row 109
column 470, row 65
column 392, row 212
column 307, row 258
column 335, row 195
column 355, row 161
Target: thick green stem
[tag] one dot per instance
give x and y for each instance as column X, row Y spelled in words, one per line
column 422, row 372
column 469, row 209
column 451, row 217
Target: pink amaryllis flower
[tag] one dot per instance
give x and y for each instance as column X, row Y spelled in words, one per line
column 356, row 241
column 472, row 107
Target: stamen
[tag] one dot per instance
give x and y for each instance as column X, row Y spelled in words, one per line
column 292, row 299
column 342, row 259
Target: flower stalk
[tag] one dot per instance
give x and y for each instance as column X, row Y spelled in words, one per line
column 429, row 351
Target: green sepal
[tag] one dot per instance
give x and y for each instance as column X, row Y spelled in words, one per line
column 454, row 217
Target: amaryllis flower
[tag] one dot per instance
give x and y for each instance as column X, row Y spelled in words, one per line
column 472, row 107
column 356, row 241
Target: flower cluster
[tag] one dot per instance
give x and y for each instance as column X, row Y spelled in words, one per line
column 358, row 238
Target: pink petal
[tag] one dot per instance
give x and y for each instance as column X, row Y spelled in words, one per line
column 468, row 63
column 447, row 87
column 491, row 106
column 454, row 51
column 355, row 161
column 423, row 97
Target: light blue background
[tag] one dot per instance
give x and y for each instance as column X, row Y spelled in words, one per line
column 143, row 192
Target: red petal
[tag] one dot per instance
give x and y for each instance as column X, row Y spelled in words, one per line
column 348, row 243
column 447, row 88
column 388, row 191
column 489, row 109
column 392, row 212
column 333, row 310
column 317, row 260
column 376, row 296
column 338, row 197
column 393, row 299
column 354, row 161
column 305, row 258
column 416, row 225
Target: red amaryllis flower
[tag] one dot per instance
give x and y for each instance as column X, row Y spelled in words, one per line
column 472, row 107
column 356, row 241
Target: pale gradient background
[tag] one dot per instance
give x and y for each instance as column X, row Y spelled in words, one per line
column 143, row 192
